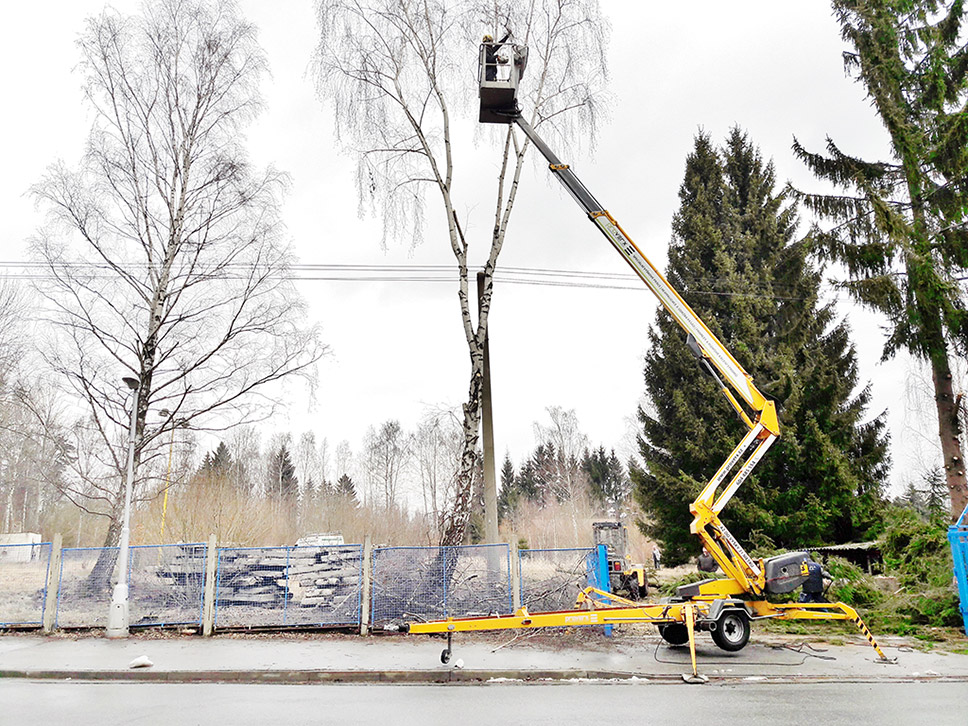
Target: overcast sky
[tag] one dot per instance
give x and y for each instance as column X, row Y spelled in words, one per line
column 772, row 68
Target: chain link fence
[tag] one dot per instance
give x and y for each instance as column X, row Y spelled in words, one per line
column 259, row 587
column 278, row 586
column 430, row 583
column 83, row 594
column 166, row 585
column 552, row 578
column 23, row 583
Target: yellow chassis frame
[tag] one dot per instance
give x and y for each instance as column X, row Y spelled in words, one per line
column 597, row 607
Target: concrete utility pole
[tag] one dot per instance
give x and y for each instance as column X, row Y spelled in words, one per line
column 487, row 438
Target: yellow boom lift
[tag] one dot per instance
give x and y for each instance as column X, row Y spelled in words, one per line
column 723, row 607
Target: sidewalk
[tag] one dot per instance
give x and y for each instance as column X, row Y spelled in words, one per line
column 305, row 658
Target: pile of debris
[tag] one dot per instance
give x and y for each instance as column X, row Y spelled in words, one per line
column 305, row 576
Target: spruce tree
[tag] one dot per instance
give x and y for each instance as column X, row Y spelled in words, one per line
column 221, row 458
column 734, row 259
column 900, row 225
column 282, row 480
column 607, row 480
column 536, row 480
column 346, row 490
column 507, row 500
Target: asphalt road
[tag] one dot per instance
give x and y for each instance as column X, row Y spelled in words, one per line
column 747, row 703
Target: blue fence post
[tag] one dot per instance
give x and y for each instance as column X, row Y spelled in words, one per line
column 604, row 583
column 601, row 579
column 958, row 539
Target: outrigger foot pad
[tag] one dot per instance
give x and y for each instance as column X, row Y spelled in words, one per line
column 694, row 678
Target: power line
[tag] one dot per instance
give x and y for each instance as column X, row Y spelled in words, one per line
column 411, row 274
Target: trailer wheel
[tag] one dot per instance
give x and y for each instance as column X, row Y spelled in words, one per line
column 732, row 631
column 445, row 656
column 674, row 633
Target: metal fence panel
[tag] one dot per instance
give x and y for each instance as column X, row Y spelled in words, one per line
column 269, row 586
column 166, row 584
column 82, row 600
column 437, row 582
column 958, row 539
column 23, row 583
column 551, row 579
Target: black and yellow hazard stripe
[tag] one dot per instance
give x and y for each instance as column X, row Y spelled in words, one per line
column 862, row 626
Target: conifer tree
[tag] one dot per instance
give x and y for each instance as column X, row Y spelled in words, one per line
column 607, row 479
column 282, row 480
column 734, row 259
column 509, row 496
column 901, row 227
column 346, row 490
column 935, row 494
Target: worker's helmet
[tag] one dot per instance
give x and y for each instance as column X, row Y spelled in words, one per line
column 488, row 39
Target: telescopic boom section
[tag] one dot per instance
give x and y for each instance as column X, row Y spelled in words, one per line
column 499, row 105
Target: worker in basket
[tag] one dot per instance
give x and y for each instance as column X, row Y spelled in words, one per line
column 491, row 58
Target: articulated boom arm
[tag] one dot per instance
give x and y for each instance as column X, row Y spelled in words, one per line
column 761, row 422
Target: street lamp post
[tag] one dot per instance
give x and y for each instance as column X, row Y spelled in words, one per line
column 118, row 614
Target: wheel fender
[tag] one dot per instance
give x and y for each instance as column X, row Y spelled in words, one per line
column 716, row 608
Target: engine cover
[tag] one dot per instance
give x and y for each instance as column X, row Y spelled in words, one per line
column 785, row 573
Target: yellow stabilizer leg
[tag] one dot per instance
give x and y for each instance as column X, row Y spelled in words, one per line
column 689, row 616
column 821, row 611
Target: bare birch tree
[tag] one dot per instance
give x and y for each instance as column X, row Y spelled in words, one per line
column 163, row 249
column 400, row 74
column 32, row 456
column 386, row 452
column 569, row 482
column 437, row 447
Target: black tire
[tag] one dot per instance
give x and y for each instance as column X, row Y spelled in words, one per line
column 633, row 587
column 732, row 631
column 674, row 633
column 445, row 656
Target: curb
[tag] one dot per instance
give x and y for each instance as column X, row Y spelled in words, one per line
column 438, row 677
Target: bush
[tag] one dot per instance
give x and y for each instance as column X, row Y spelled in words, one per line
column 917, row 553
column 668, row 588
column 851, row 585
